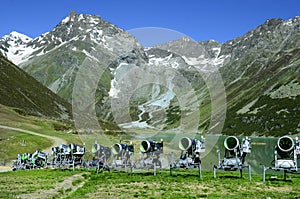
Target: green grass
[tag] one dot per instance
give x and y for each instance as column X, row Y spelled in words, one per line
column 11, row 144
column 10, row 141
column 14, row 184
column 142, row 184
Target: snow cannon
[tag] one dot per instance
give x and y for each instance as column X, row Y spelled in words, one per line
column 185, row 143
column 118, row 148
column 234, row 156
column 123, row 156
column 151, row 152
column 64, row 149
column 148, row 146
column 101, row 151
column 285, row 156
column 191, row 145
column 77, row 149
column 190, row 154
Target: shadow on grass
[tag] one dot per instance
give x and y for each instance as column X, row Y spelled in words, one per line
column 230, row 177
column 279, row 180
column 185, row 175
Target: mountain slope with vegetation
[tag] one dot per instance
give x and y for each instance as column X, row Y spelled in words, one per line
column 262, row 80
column 24, row 93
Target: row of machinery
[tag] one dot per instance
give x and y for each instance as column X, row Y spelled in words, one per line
column 286, row 154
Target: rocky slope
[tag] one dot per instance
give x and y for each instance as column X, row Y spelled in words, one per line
column 262, row 79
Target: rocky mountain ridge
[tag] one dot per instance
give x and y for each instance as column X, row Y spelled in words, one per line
column 255, row 68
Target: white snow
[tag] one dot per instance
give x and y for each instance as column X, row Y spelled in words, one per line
column 193, row 61
column 96, row 36
column 55, row 85
column 136, row 124
column 94, row 20
column 18, row 47
column 105, row 44
column 217, row 51
column 158, row 61
column 17, row 35
column 81, row 17
column 113, row 92
column 206, row 64
column 239, row 78
column 66, row 19
column 90, row 56
column 288, row 23
column 282, row 111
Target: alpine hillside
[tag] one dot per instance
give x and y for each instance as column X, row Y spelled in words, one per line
column 168, row 84
column 28, row 96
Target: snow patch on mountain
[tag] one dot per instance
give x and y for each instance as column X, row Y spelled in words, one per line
column 17, row 48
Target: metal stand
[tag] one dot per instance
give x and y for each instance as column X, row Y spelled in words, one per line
column 285, row 171
column 151, row 161
column 240, row 167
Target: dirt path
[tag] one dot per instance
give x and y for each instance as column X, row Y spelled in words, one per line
column 61, row 189
column 56, row 141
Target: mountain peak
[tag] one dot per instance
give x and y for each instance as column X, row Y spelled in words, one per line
column 273, row 22
column 17, row 36
column 14, row 46
column 72, row 13
column 86, row 18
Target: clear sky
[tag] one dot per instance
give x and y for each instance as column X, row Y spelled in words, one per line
column 220, row 20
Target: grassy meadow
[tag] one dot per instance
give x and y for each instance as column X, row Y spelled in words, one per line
column 83, row 183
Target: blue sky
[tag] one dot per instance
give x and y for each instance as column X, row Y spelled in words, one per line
column 220, row 20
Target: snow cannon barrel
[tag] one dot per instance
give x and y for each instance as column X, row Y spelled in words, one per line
column 100, row 150
column 146, row 146
column 231, row 143
column 185, row 143
column 151, row 146
column 118, row 148
column 77, row 149
column 285, row 146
